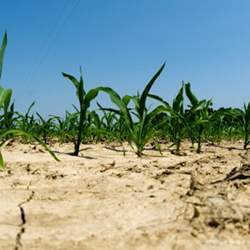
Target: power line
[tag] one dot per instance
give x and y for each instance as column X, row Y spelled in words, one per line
column 52, row 35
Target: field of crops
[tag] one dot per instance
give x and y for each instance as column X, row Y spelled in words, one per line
column 144, row 173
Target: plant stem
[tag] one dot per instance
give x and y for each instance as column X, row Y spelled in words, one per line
column 79, row 136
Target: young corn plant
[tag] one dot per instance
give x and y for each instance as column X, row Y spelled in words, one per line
column 216, row 129
column 5, row 99
column 7, row 118
column 27, row 121
column 45, row 127
column 246, row 124
column 198, row 116
column 94, row 126
column 66, row 128
column 102, row 128
column 222, row 123
column 243, row 116
column 84, row 99
column 176, row 124
column 112, row 122
column 138, row 121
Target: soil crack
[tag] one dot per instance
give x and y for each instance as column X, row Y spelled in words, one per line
column 18, row 244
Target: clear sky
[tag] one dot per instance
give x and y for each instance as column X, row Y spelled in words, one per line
column 121, row 43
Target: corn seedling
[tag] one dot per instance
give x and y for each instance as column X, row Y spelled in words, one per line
column 176, row 122
column 45, row 127
column 84, row 99
column 132, row 120
column 26, row 122
column 246, row 124
column 243, row 116
column 66, row 128
column 138, row 121
column 198, row 115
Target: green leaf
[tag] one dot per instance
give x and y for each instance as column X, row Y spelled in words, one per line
column 192, row 98
column 247, row 112
column 2, row 50
column 80, row 92
column 17, row 132
column 41, row 118
column 116, row 99
column 142, row 102
column 5, row 96
column 92, row 94
column 7, row 99
column 160, row 99
column 110, row 110
column 72, row 79
column 79, row 85
column 1, row 161
column 29, row 109
column 178, row 101
column 126, row 99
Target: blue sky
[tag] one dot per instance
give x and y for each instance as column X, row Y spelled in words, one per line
column 121, row 44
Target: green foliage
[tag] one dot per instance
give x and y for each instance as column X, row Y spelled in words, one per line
column 26, row 122
column 132, row 120
column 176, row 123
column 17, row 133
column 84, row 99
column 243, row 116
column 45, row 127
column 2, row 50
column 66, row 128
column 139, row 128
column 199, row 115
column 246, row 124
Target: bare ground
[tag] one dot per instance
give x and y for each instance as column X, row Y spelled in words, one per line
column 105, row 200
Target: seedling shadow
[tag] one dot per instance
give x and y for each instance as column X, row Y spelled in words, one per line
column 79, row 156
column 115, row 149
column 228, row 147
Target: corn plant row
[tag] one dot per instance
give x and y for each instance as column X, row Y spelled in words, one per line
column 129, row 120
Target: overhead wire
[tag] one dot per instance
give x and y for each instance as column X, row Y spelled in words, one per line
column 63, row 16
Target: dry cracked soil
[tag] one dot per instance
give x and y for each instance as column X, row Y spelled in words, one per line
column 105, row 200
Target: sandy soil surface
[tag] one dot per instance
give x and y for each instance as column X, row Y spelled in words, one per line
column 105, row 200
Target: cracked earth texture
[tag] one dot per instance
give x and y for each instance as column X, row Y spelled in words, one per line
column 104, row 200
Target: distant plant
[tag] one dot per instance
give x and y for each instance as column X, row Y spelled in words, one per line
column 26, row 121
column 176, row 123
column 66, row 127
column 132, row 120
column 45, row 127
column 243, row 116
column 246, row 124
column 198, row 116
